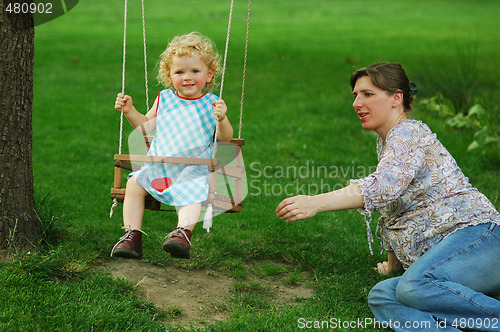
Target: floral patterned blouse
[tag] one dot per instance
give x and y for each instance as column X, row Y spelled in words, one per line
column 421, row 193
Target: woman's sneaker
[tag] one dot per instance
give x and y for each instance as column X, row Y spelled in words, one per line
column 178, row 243
column 129, row 245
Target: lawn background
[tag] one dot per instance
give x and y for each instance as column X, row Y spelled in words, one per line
column 298, row 114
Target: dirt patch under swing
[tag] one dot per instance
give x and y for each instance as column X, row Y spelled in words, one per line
column 194, row 297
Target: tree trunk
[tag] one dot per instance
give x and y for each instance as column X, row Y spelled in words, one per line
column 20, row 227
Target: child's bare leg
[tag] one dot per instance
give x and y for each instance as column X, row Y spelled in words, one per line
column 130, row 244
column 133, row 205
column 188, row 216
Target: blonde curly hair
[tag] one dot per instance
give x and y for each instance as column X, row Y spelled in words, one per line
column 192, row 43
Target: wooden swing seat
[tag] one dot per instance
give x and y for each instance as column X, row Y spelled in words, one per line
column 225, row 203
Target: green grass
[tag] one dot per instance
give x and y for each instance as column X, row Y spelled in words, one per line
column 298, row 113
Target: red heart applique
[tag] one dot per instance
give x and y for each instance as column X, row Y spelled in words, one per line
column 161, row 184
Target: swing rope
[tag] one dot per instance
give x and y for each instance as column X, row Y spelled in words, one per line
column 120, row 144
column 244, row 69
column 123, row 72
column 145, row 57
column 124, row 65
column 223, row 74
column 230, row 20
column 244, row 66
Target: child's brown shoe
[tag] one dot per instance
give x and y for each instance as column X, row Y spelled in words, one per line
column 129, row 245
column 178, row 243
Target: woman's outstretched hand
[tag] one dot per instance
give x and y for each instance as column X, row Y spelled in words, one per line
column 297, row 208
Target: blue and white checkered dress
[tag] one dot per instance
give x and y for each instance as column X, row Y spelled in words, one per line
column 184, row 128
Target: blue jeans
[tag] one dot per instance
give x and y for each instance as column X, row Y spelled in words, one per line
column 444, row 290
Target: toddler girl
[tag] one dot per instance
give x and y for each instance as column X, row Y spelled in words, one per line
column 184, row 117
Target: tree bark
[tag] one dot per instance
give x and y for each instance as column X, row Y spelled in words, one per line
column 20, row 227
